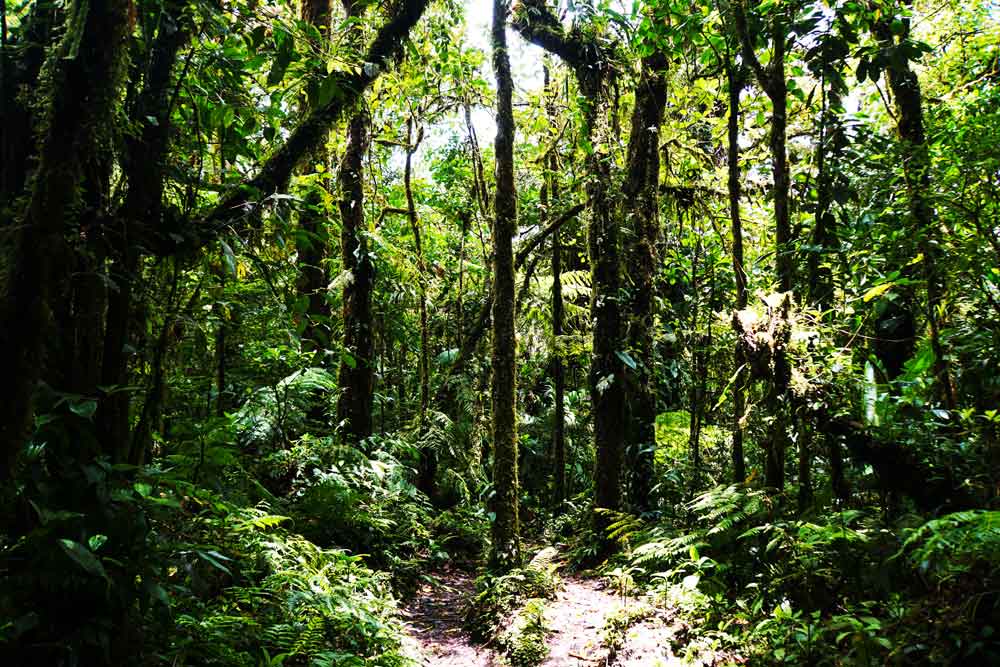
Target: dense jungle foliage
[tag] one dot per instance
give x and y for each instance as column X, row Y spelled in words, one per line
column 304, row 303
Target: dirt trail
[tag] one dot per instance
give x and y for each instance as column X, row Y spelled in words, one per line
column 434, row 623
column 576, row 622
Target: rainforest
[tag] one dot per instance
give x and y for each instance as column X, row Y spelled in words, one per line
column 480, row 333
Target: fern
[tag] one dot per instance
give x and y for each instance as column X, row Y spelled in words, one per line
column 955, row 543
column 726, row 507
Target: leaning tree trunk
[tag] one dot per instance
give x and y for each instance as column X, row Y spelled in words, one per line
column 83, row 75
column 640, row 207
column 505, row 550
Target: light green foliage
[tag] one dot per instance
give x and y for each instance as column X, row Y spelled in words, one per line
column 523, row 642
column 272, row 415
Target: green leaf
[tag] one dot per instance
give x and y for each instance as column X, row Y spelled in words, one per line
column 212, row 558
column 85, row 408
column 627, row 359
column 83, row 557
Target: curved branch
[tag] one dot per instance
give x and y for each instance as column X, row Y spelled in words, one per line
column 385, row 51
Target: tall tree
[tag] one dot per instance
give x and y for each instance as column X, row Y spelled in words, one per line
column 505, row 550
column 736, row 80
column 640, row 205
column 312, row 240
column 550, row 190
column 83, row 75
column 587, row 56
column 771, row 79
column 356, row 378
column 892, row 29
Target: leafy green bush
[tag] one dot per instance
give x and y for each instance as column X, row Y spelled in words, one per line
column 259, row 592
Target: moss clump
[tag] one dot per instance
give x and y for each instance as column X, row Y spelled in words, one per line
column 523, row 644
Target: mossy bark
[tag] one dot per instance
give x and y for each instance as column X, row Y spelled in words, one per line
column 905, row 87
column 591, row 65
column 354, row 407
column 505, row 552
column 551, row 194
column 356, row 376
column 641, row 206
column 772, row 80
column 84, row 74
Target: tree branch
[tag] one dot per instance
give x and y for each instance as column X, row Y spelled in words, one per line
column 385, row 51
column 528, row 247
column 749, row 55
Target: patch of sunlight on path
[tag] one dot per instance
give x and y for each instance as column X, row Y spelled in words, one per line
column 576, row 623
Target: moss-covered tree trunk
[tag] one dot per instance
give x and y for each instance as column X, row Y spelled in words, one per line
column 906, row 93
column 356, row 377
column 83, row 79
column 505, row 550
column 312, row 240
column 772, row 80
column 641, row 206
column 591, row 66
column 551, row 190
column 136, row 225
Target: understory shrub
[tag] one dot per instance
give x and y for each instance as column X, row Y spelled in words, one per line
column 507, row 611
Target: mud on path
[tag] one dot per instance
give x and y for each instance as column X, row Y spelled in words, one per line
column 433, row 619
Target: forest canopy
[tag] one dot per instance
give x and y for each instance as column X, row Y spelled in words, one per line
column 341, row 333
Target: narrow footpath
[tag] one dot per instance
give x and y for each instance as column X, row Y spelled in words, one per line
column 433, row 621
column 575, row 620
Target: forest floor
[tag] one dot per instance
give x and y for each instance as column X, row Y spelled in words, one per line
column 575, row 619
column 434, row 618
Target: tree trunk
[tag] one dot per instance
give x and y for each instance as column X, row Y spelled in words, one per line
column 737, row 80
column 428, row 457
column 312, row 240
column 641, row 207
column 772, row 80
column 536, row 22
column 505, row 551
column 908, row 98
column 551, row 187
column 84, row 77
column 137, row 222
column 354, row 407
column 357, row 379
